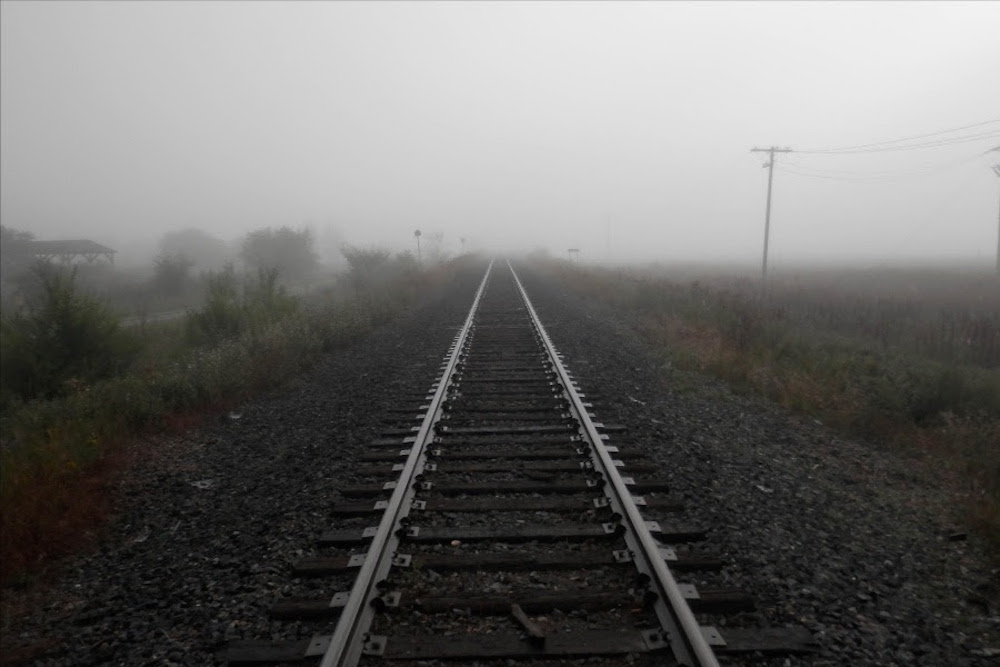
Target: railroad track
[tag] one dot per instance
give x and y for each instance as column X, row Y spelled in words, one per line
column 498, row 520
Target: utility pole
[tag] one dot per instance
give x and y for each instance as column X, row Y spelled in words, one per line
column 996, row 170
column 767, row 215
column 417, row 234
column 607, row 237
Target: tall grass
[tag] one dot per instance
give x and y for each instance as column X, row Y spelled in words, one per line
column 894, row 375
column 59, row 448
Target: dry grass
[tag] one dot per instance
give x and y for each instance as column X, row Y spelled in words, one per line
column 52, row 510
column 918, row 377
column 59, row 458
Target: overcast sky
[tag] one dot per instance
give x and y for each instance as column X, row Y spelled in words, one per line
column 622, row 129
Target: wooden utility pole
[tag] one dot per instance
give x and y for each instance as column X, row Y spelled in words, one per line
column 996, row 170
column 767, row 215
column 607, row 237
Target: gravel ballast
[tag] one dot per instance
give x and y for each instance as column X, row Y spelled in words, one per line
column 837, row 536
column 840, row 537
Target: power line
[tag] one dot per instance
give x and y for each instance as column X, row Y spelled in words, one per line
column 883, row 176
column 879, row 147
column 898, row 141
column 829, row 177
column 951, row 141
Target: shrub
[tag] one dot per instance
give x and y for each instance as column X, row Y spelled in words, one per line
column 171, row 274
column 220, row 318
column 289, row 250
column 66, row 338
column 265, row 301
column 951, row 389
column 227, row 314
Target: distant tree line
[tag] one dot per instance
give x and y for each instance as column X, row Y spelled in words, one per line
column 286, row 252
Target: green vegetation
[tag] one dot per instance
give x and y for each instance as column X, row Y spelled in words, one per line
column 76, row 386
column 286, row 250
column 228, row 313
column 63, row 338
column 910, row 362
column 172, row 274
column 200, row 250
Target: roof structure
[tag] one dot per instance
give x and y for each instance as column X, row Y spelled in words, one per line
column 67, row 251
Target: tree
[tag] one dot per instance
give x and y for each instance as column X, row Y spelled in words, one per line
column 434, row 249
column 329, row 240
column 14, row 256
column 204, row 251
column 366, row 265
column 286, row 250
column 171, row 273
column 11, row 235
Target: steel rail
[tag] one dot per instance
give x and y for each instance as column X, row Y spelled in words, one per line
column 684, row 633
column 346, row 647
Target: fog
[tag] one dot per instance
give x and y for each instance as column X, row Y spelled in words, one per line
column 621, row 129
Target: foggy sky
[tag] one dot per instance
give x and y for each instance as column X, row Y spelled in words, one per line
column 622, row 129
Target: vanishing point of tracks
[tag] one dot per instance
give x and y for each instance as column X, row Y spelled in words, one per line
column 502, row 521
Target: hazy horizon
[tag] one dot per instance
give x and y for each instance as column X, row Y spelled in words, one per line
column 621, row 129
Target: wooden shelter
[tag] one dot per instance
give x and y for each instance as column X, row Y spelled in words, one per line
column 68, row 252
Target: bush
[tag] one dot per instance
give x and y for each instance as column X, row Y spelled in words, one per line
column 367, row 266
column 286, row 249
column 955, row 391
column 227, row 314
column 171, row 273
column 65, row 339
column 266, row 301
column 220, row 318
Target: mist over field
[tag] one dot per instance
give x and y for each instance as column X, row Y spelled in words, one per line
column 247, row 247
column 621, row 129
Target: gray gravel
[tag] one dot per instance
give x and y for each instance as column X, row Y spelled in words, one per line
column 827, row 533
column 839, row 536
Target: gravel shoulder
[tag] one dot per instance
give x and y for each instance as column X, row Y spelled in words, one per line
column 836, row 535
column 824, row 532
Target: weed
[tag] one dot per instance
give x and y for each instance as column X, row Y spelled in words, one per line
column 917, row 374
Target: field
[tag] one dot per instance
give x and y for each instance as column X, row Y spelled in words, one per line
column 906, row 359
